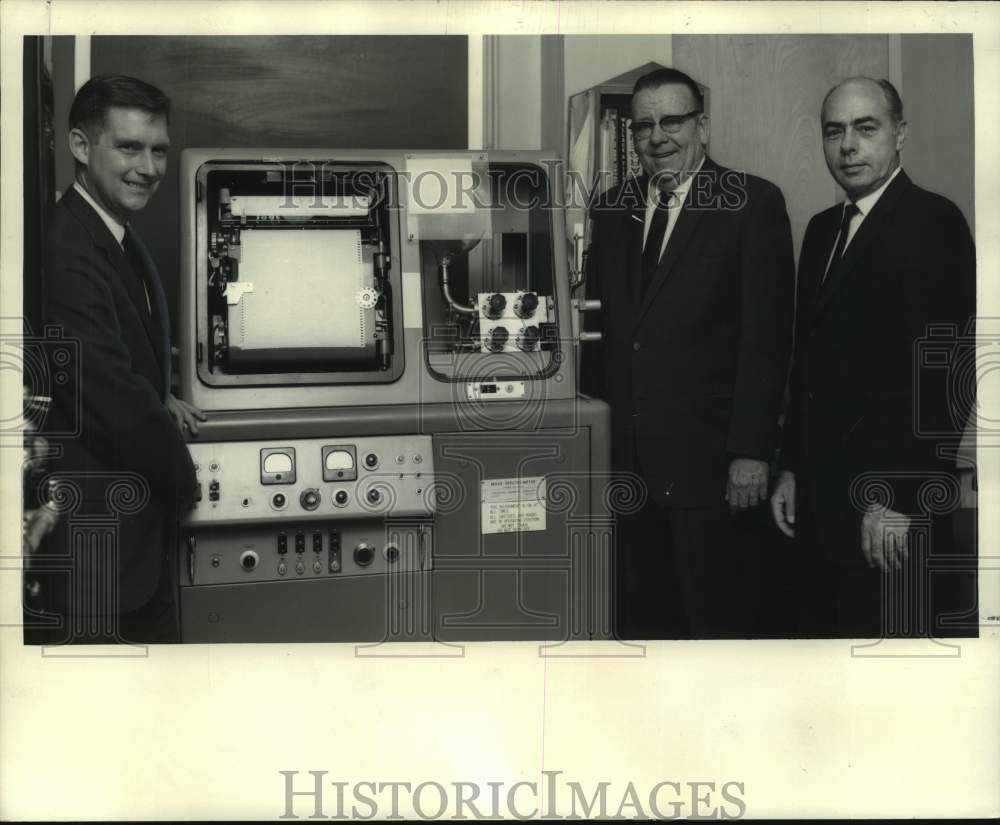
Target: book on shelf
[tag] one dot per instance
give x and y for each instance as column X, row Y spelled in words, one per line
column 632, row 165
column 609, row 149
column 619, row 159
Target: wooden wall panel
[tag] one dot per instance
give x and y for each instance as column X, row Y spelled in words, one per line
column 766, row 92
column 378, row 92
column 350, row 92
column 938, row 106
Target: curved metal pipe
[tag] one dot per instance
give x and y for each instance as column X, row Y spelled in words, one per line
column 464, row 309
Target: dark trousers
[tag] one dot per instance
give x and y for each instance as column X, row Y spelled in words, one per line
column 932, row 595
column 687, row 573
column 49, row 621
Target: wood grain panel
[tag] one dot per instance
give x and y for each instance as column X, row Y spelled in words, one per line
column 349, row 92
column 375, row 92
column 766, row 92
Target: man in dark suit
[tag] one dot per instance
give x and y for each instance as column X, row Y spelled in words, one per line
column 876, row 274
column 694, row 266
column 123, row 477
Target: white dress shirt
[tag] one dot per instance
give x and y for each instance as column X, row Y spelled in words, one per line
column 117, row 229
column 673, row 209
column 865, row 205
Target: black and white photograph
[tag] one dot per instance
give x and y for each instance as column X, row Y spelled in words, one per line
column 506, row 410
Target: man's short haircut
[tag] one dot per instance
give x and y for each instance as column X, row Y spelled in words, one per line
column 892, row 98
column 102, row 92
column 670, row 77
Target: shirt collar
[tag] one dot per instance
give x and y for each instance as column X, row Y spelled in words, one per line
column 867, row 203
column 117, row 229
column 680, row 190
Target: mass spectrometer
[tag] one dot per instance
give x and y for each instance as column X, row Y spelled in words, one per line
column 385, row 345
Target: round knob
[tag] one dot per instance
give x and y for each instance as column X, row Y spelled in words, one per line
column 278, row 500
column 391, row 553
column 309, row 499
column 495, row 305
column 248, row 559
column 527, row 338
column 526, row 305
column 498, row 339
column 371, row 461
column 374, row 495
column 364, row 554
column 340, row 498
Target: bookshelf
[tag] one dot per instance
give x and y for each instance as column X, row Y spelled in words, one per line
column 599, row 151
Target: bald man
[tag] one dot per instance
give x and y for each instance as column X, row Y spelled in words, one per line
column 876, row 273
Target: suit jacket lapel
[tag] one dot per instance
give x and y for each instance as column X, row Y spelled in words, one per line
column 870, row 229
column 131, row 281
column 812, row 265
column 634, row 222
column 687, row 222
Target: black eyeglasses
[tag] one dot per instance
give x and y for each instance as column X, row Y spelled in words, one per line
column 671, row 124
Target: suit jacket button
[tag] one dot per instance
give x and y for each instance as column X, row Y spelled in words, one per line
column 636, row 346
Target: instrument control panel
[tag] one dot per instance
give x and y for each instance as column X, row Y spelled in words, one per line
column 296, row 552
column 304, row 480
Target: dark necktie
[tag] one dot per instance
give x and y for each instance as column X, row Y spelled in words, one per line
column 654, row 240
column 850, row 210
column 143, row 265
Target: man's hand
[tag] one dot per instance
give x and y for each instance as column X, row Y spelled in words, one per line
column 185, row 415
column 747, row 485
column 783, row 503
column 885, row 538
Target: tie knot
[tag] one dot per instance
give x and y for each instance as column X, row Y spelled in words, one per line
column 666, row 199
column 850, row 210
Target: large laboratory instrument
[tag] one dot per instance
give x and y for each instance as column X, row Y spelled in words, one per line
column 386, row 346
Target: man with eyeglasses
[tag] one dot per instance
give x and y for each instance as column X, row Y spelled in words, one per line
column 694, row 265
column 861, row 457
